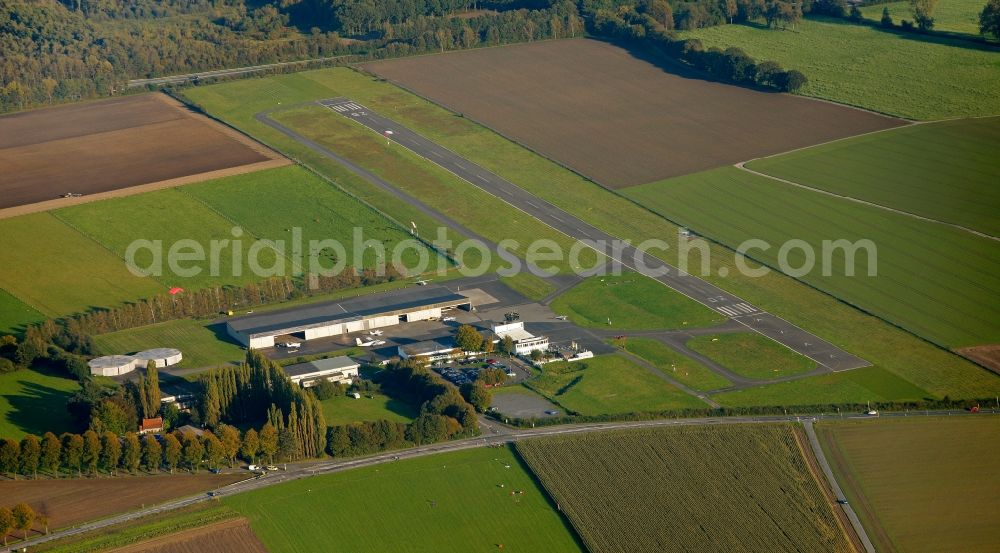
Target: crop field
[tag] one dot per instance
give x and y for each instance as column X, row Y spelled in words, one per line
column 59, row 271
column 920, row 484
column 433, row 185
column 717, row 488
column 98, row 147
column 293, row 197
column 938, row 282
column 902, row 74
column 905, row 363
column 946, row 171
column 685, row 370
column 69, row 501
column 631, row 301
column 461, row 501
column 856, row 386
column 751, row 355
column 346, row 410
column 34, row 402
column 170, row 216
column 608, row 120
column 609, row 384
column 229, row 535
column 15, row 314
column 203, row 344
column 956, row 16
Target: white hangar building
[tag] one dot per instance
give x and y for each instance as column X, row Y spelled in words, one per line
column 346, row 316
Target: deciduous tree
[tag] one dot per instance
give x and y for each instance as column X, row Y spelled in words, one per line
column 31, row 455
column 152, row 453
column 51, row 453
column 24, row 517
column 171, row 452
column 111, row 452
column 131, row 452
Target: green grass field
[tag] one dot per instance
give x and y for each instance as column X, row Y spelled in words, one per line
column 956, row 16
column 945, row 171
column 170, row 216
column 433, row 185
column 609, row 384
column 34, row 402
column 293, row 197
column 751, row 355
column 904, row 74
column 202, row 344
column 938, row 282
column 15, row 314
column 631, row 301
column 717, row 488
column 920, row 484
column 447, row 502
column 902, row 356
column 58, row 271
column 346, row 410
column 686, row 370
column 854, row 386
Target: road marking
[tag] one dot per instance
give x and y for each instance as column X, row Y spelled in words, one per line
column 556, row 217
column 435, row 153
column 484, row 179
column 532, row 205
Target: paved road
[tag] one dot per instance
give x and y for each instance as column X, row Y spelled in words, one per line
column 824, row 353
column 493, row 433
column 821, row 458
column 173, row 79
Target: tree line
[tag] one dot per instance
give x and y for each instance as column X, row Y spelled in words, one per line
column 76, row 49
column 21, row 517
column 639, row 23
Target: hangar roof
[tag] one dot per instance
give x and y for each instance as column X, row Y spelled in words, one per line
column 294, row 319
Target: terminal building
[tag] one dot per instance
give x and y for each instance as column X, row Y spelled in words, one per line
column 346, row 316
column 524, row 341
column 335, row 369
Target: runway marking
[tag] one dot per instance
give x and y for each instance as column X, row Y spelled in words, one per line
column 339, row 108
column 484, row 179
column 745, row 308
column 434, row 152
column 354, row 106
column 728, row 311
column 556, row 217
column 532, row 205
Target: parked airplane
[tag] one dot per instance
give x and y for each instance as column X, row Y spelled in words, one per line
column 561, row 317
column 375, row 332
column 368, row 343
column 422, row 282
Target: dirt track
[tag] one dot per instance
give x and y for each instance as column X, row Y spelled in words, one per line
column 107, row 146
column 228, row 536
column 616, row 118
column 987, row 356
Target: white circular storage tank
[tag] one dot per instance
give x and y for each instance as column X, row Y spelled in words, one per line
column 163, row 357
column 112, row 365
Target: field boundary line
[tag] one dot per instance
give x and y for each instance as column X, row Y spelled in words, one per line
column 656, row 371
column 742, row 166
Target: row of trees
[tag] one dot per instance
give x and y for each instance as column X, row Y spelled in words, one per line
column 22, row 517
column 637, row 25
column 96, row 452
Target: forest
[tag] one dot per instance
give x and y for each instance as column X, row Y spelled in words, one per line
column 69, row 50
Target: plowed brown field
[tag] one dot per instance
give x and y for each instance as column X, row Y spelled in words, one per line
column 67, row 501
column 617, row 119
column 99, row 147
column 228, row 536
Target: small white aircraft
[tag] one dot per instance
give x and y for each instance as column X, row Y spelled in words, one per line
column 291, row 345
column 375, row 332
column 422, row 282
column 561, row 317
column 368, row 343
column 447, row 319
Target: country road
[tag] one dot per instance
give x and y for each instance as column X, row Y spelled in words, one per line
column 493, row 433
column 825, row 465
column 183, row 78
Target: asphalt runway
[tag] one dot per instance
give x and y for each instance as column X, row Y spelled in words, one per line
column 822, row 352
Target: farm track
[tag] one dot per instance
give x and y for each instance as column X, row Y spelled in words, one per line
column 827, row 355
column 742, row 166
column 494, row 433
